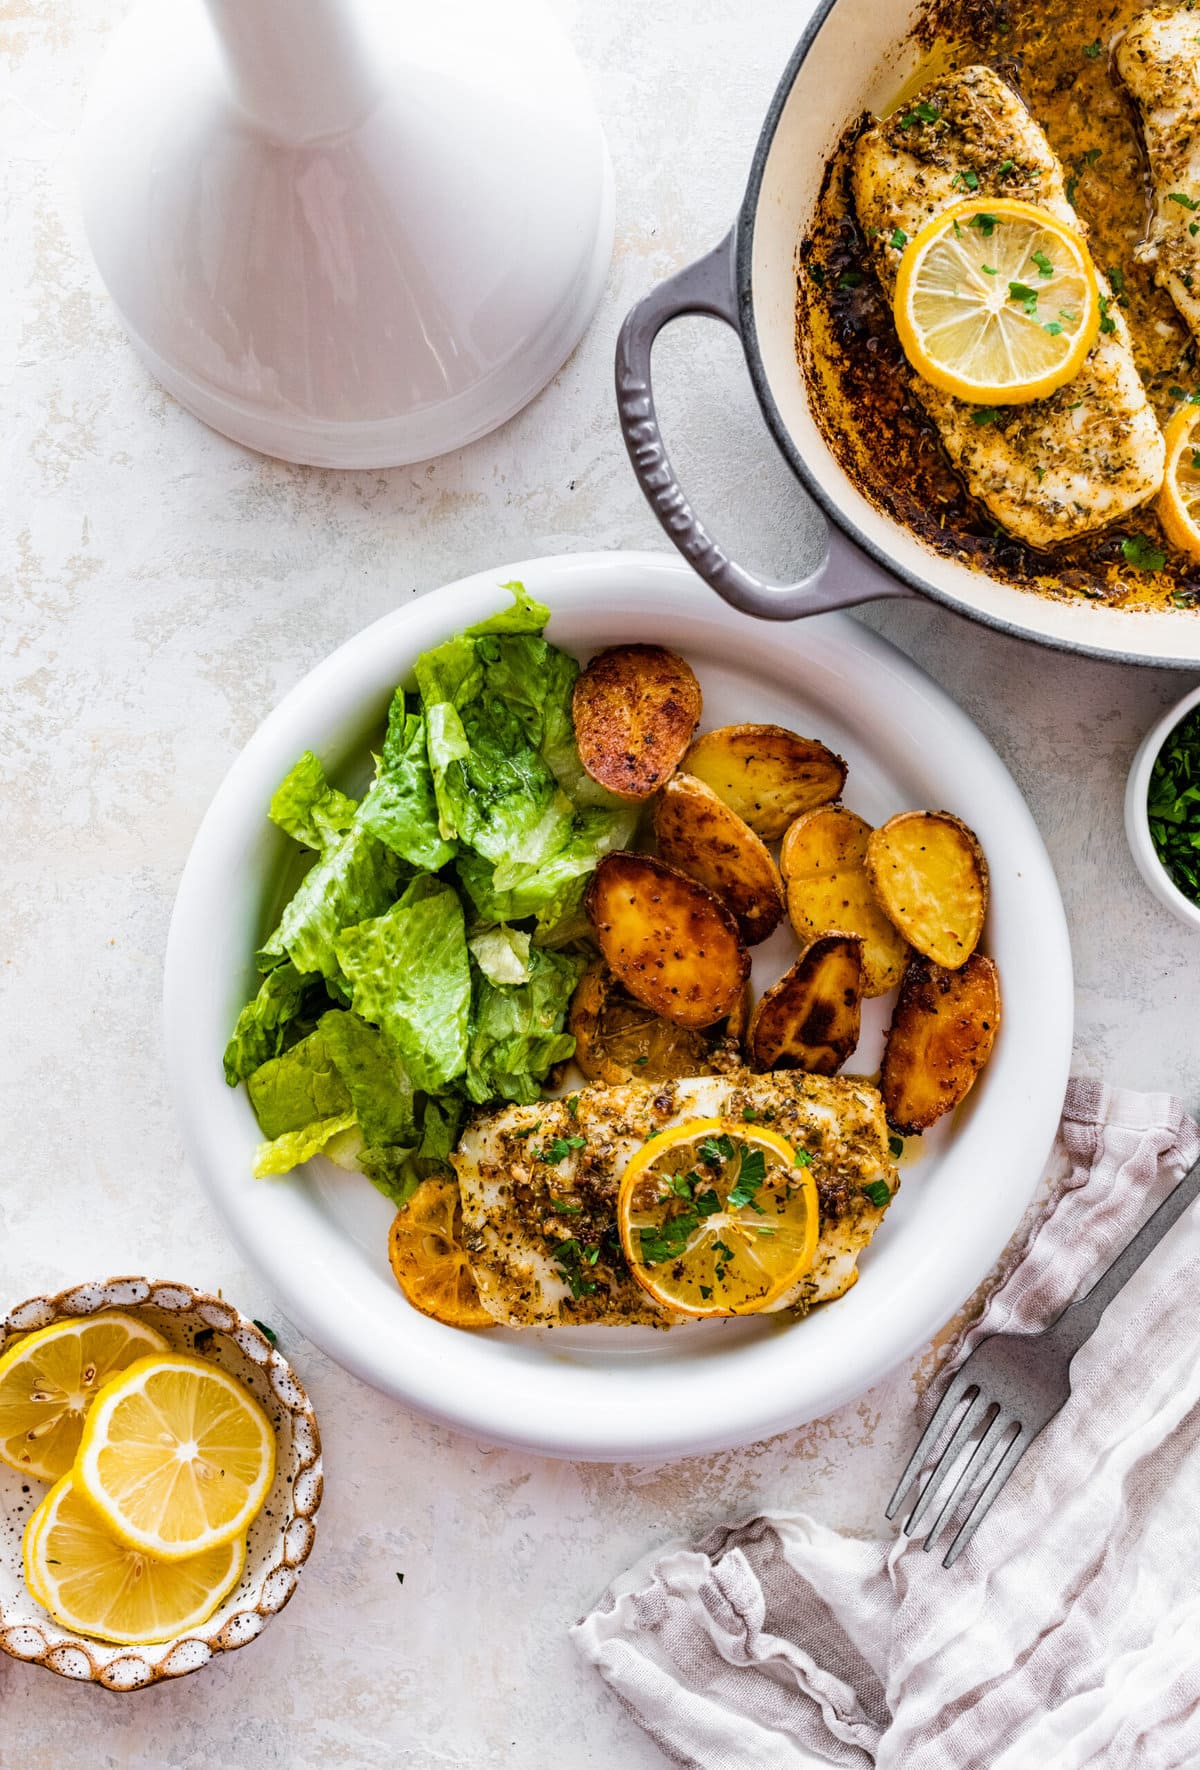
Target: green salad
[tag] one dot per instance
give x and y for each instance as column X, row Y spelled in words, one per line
column 425, row 963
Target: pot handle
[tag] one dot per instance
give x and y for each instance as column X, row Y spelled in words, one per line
column 709, row 286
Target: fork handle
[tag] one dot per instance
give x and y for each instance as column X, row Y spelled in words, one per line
column 1079, row 1320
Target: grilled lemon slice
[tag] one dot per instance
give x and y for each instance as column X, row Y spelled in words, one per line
column 997, row 302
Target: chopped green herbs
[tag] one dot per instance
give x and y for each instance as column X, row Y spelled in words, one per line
column 1093, row 49
column 965, row 180
column 817, row 273
column 529, row 1130
column 717, row 1149
column 641, row 1061
column 1185, row 202
column 1092, row 156
column 1072, row 187
column 849, row 279
column 1196, row 460
column 920, row 113
column 1025, row 298
column 1045, row 268
column 984, row 222
column 558, row 1151
column 988, row 270
column 573, row 1106
column 751, row 1175
column 567, row 1207
column 803, row 1159
column 1107, row 323
column 1054, row 327
column 748, row 1115
column 878, row 1191
column 1004, row 166
column 986, row 415
column 1116, row 277
column 272, row 1338
column 571, row 1256
column 1140, row 552
column 1173, row 805
column 899, row 239
column 896, row 1147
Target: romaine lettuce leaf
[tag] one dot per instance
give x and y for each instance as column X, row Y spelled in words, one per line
column 293, row 1147
column 351, row 882
column 308, row 808
column 410, row 973
column 263, row 1022
column 380, row 1091
column 400, row 807
column 518, row 1029
column 294, row 1090
column 502, row 953
column 525, row 616
column 554, row 888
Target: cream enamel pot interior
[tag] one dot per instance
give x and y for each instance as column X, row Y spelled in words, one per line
column 855, row 56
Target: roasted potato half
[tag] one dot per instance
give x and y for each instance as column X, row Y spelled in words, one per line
column 635, row 708
column 930, row 875
column 766, row 774
column 824, row 870
column 940, row 1038
column 673, row 945
column 618, row 1039
column 698, row 833
column 811, row 1018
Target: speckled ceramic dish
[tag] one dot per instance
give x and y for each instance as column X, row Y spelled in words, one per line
column 281, row 1537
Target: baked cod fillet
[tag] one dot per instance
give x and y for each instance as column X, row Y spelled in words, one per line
column 1090, row 453
column 533, row 1262
column 1158, row 58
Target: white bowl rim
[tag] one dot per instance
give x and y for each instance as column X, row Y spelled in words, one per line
column 1137, row 815
column 517, row 1413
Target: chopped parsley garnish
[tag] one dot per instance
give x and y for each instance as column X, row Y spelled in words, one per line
column 559, row 1150
column 920, row 113
column 965, row 179
column 1141, row 553
column 878, row 1191
column 986, row 415
column 573, row 1106
column 1196, row 460
column 706, row 1291
column 1194, row 227
column 1041, row 473
column 1093, row 49
column 1025, row 297
column 817, row 273
column 1045, row 268
column 681, row 1184
column 899, row 239
column 1116, row 277
column 1176, row 392
column 803, row 1159
column 272, row 1339
column 989, row 270
column 1107, row 323
column 570, row 1256
column 1054, row 327
column 717, row 1149
column 1173, row 804
column 748, row 1115
column 751, row 1175
column 707, row 1203
column 529, row 1130
column 896, row 1146
column 641, row 1060
column 849, row 279
column 567, row 1207
column 1185, row 202
column 1072, row 187
column 1004, row 166
column 984, row 222
column 1092, row 156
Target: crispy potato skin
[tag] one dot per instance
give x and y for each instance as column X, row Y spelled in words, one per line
column 635, row 708
column 941, row 1036
column 811, row 1018
column 824, row 869
column 672, row 944
column 699, row 834
column 766, row 774
column 929, row 873
column 619, row 1040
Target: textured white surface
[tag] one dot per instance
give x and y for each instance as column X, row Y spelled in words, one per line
column 161, row 590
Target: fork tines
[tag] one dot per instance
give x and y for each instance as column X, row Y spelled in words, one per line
column 983, row 1473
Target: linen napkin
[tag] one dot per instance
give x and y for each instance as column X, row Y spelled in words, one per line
column 1067, row 1634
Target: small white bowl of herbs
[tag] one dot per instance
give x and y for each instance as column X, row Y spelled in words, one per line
column 1162, row 809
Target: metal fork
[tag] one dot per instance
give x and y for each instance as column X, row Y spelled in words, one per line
column 1012, row 1386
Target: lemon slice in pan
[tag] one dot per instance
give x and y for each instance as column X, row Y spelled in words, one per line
column 997, row 302
column 1179, row 500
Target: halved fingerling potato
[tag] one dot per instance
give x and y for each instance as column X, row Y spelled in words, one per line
column 698, row 833
column 811, row 1018
column 618, row 1039
column 941, row 1036
column 824, row 871
column 635, row 709
column 670, row 941
column 766, row 774
column 930, row 875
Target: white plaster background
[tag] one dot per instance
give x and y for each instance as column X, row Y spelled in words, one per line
column 161, row 590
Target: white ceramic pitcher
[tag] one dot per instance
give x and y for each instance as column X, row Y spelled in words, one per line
column 355, row 233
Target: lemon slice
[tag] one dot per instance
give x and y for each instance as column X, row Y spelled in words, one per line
column 1179, row 500
column 428, row 1258
column 93, row 1583
column 996, row 302
column 177, row 1457
column 49, row 1380
column 718, row 1218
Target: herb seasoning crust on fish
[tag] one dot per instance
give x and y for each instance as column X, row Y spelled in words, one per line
column 539, row 1187
column 1093, row 451
column 1158, row 58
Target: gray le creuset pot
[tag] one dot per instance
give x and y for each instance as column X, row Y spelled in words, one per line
column 856, row 55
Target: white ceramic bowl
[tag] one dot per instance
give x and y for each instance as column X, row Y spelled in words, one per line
column 320, row 1235
column 281, row 1537
column 1137, row 821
